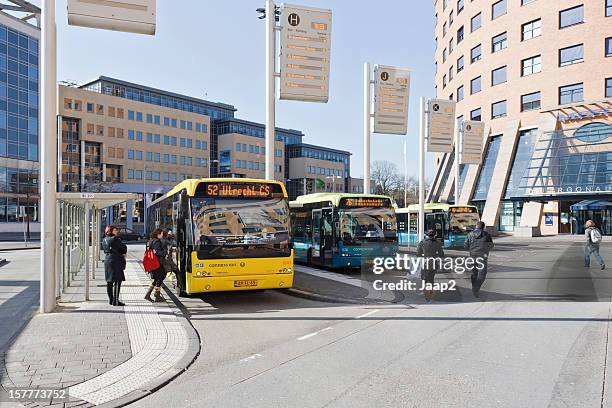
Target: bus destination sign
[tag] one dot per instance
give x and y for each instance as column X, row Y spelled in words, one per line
column 242, row 190
column 463, row 209
column 355, row 202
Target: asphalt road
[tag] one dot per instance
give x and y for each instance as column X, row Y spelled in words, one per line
column 537, row 338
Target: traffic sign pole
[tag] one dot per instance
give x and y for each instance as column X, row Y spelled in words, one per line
column 458, row 135
column 366, row 128
column 422, row 132
column 270, row 94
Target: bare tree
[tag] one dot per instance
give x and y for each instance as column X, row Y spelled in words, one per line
column 386, row 177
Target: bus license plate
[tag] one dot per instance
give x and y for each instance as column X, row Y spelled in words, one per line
column 244, row 283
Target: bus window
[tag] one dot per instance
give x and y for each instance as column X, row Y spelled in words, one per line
column 413, row 222
column 367, row 224
column 463, row 221
column 402, row 222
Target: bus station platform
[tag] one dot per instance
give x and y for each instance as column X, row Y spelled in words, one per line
column 103, row 355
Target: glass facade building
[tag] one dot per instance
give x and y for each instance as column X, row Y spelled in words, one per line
column 19, row 122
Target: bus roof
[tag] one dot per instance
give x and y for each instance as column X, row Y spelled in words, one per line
column 431, row 207
column 333, row 197
column 191, row 184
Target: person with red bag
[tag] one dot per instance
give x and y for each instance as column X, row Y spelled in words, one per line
column 157, row 275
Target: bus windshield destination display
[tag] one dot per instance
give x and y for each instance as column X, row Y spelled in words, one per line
column 239, row 190
column 463, row 210
column 356, row 202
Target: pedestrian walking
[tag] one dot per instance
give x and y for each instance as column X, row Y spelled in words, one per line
column 157, row 276
column 431, row 250
column 114, row 264
column 479, row 243
column 591, row 247
column 168, row 245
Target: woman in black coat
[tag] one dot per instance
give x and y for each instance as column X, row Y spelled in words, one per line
column 114, row 264
column 161, row 250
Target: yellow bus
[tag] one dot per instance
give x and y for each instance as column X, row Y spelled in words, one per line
column 230, row 234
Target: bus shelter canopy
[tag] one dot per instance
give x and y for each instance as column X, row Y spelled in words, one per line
column 97, row 200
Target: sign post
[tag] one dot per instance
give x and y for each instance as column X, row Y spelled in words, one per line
column 437, row 130
column 391, row 95
column 305, row 47
column 458, row 147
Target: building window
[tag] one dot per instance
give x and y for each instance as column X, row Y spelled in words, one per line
column 450, row 19
column 476, row 114
column 450, row 73
column 531, row 101
column 149, row 137
column 476, row 53
column 571, row 55
column 444, row 55
column 90, row 107
column 459, row 6
column 450, row 46
column 499, row 9
column 460, row 93
column 120, row 133
column 130, row 115
column 476, row 85
column 608, row 8
column 111, row 111
column 531, row 65
column 444, row 29
column 67, row 103
column 444, row 81
column 608, row 87
column 523, row 2
column 499, row 42
column 460, row 34
column 572, row 16
column 499, row 110
column 499, row 76
column 532, row 29
column 488, row 167
column 609, row 47
column 139, row 116
column 460, row 64
column 130, row 174
column 476, row 22
column 149, row 118
column 120, row 113
column 521, row 163
column 570, row 94
column 130, row 154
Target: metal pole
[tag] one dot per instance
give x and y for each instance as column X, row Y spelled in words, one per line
column 270, row 87
column 459, row 129
column 304, row 186
column 144, row 201
column 366, row 127
column 86, row 249
column 48, row 149
column 405, row 176
column 423, row 118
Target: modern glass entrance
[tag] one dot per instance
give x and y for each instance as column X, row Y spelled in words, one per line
column 598, row 211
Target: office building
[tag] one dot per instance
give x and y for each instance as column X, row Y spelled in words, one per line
column 538, row 73
column 19, row 120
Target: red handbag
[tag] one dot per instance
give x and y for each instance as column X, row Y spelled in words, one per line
column 150, row 261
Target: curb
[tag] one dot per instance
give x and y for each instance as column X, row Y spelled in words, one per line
column 193, row 351
column 323, row 298
column 18, row 249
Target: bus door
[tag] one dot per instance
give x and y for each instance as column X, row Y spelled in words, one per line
column 327, row 236
column 435, row 221
column 316, row 233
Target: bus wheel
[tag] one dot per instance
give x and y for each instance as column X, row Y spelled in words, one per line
column 309, row 258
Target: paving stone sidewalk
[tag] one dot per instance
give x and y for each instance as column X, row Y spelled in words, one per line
column 104, row 355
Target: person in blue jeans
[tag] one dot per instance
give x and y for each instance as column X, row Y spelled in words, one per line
column 593, row 240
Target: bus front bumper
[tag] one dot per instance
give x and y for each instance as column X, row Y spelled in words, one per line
column 242, row 282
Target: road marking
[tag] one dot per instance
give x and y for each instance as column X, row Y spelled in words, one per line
column 367, row 314
column 249, row 358
column 309, row 335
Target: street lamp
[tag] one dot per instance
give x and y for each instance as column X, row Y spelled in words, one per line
column 333, row 177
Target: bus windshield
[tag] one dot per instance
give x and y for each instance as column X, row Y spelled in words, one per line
column 360, row 225
column 463, row 222
column 241, row 228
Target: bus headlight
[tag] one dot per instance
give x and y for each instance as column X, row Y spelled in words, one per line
column 207, row 287
column 281, row 284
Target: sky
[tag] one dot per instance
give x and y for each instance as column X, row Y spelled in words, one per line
column 215, row 50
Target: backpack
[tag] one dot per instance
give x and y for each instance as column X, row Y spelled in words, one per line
column 150, row 261
column 595, row 236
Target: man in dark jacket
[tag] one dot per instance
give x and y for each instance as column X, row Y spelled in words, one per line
column 479, row 243
column 431, row 250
